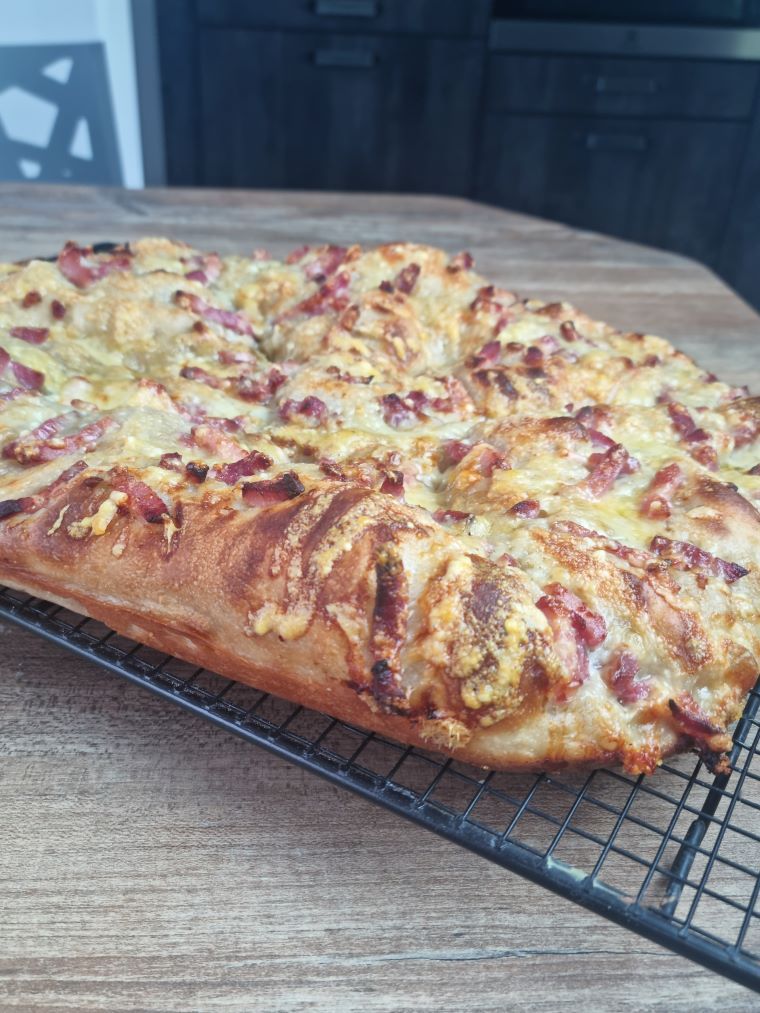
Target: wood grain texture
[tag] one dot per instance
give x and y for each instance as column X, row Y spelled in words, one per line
column 149, row 861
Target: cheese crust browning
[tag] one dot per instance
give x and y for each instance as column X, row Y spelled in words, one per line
column 372, row 483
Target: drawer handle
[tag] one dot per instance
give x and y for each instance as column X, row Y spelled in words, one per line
column 616, row 142
column 358, row 58
column 346, row 8
column 605, row 85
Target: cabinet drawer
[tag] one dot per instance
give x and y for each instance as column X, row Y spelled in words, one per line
column 618, row 86
column 356, row 112
column 432, row 17
column 667, row 183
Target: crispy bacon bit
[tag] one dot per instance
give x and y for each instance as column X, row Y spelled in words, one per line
column 171, row 462
column 567, row 641
column 461, row 262
column 9, row 507
column 393, row 484
column 31, row 299
column 200, row 376
column 488, row 354
column 686, row 556
column 260, row 391
column 328, row 467
column 452, row 452
column 706, row 456
column 685, row 425
column 331, row 297
column 491, row 377
column 311, row 408
column 74, row 264
column 651, row 360
column 620, row 673
column 327, row 262
column 533, row 357
column 754, row 470
column 33, row 335
column 657, row 501
column 30, row 378
column 386, row 286
column 599, row 439
column 347, row 377
column 57, row 309
column 274, row 490
column 47, row 445
column 489, row 460
column 205, row 268
column 568, row 331
column 226, row 318
column 526, row 508
column 449, row 516
column 141, row 499
column 606, row 468
column 398, row 411
column 213, row 437
column 248, row 465
column 4, row 360
column 196, row 471
column 298, row 254
column 406, row 279
column 66, row 476
column 235, row 356
column 691, row 719
column 589, row 625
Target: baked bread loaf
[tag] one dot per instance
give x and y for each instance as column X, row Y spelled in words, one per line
column 372, row 483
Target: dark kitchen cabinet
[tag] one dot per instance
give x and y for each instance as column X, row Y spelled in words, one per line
column 352, row 112
column 661, row 182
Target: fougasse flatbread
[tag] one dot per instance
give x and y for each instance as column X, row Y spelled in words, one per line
column 372, row 483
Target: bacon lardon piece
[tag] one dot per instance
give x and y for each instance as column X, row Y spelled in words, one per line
column 452, row 452
column 496, row 378
column 605, row 469
column 10, row 507
column 710, row 739
column 76, row 265
column 657, row 502
column 204, row 268
column 590, row 625
column 57, row 309
column 30, row 504
column 32, row 335
column 526, row 508
column 488, row 354
column 43, row 443
column 248, row 465
column 274, row 490
column 620, row 673
column 393, row 484
column 171, row 461
column 201, row 376
column 30, row 378
column 297, row 254
column 463, row 261
column 687, row 556
column 32, row 298
column 450, row 516
column 332, row 297
column 141, row 499
column 327, row 262
column 568, row 331
column 230, row 319
column 260, row 390
column 211, row 436
column 310, row 407
column 406, row 279
column 196, row 471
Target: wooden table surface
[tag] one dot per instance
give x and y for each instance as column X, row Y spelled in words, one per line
column 150, row 861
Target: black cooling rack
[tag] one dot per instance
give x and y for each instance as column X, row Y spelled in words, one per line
column 674, row 857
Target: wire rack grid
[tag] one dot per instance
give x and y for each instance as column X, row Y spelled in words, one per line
column 674, row 856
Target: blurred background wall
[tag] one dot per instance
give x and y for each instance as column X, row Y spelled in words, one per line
column 639, row 118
